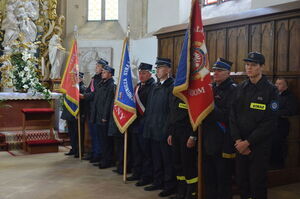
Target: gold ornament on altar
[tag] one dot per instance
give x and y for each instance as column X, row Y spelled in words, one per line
column 48, row 24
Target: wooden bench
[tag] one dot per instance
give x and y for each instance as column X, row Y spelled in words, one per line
column 41, row 115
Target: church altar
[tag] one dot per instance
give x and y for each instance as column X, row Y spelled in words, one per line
column 26, row 96
column 11, row 116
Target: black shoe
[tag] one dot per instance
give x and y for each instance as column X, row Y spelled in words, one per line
column 94, row 160
column 76, row 156
column 104, row 166
column 70, row 153
column 153, row 187
column 118, row 171
column 96, row 164
column 167, row 192
column 86, row 158
column 133, row 178
column 143, row 183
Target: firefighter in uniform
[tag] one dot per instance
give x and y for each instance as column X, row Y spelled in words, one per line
column 218, row 149
column 141, row 146
column 287, row 107
column 89, row 96
column 156, row 124
column 72, row 122
column 252, row 121
column 101, row 114
column 183, row 141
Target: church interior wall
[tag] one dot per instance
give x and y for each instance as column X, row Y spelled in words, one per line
column 145, row 17
column 267, row 3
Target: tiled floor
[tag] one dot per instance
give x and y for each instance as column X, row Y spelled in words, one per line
column 53, row 175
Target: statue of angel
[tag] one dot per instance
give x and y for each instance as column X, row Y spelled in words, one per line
column 56, row 55
column 27, row 12
column 10, row 25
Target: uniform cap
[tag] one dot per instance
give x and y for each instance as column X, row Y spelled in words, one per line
column 102, row 62
column 109, row 69
column 163, row 62
column 145, row 66
column 255, row 57
column 222, row 64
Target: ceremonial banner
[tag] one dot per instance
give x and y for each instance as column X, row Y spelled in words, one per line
column 69, row 84
column 192, row 83
column 124, row 110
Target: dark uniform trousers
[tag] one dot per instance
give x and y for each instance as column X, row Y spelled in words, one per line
column 185, row 160
column 73, row 133
column 163, row 167
column 107, row 145
column 141, row 153
column 217, row 173
column 95, row 139
column 253, row 169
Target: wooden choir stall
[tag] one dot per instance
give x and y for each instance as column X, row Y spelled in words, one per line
column 274, row 32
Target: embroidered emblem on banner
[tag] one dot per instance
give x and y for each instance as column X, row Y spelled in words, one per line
column 182, row 105
column 258, row 106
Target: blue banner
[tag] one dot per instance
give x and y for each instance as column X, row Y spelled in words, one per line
column 125, row 90
column 182, row 75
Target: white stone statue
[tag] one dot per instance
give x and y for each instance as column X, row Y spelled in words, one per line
column 56, row 56
column 10, row 25
column 27, row 12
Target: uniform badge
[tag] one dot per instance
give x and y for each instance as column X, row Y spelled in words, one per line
column 274, row 105
column 258, row 106
column 182, row 105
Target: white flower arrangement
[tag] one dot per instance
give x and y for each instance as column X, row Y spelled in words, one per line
column 20, row 70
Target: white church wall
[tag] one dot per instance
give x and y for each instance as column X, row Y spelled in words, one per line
column 143, row 50
column 267, row 3
column 226, row 8
column 184, row 10
column 162, row 13
column 123, row 19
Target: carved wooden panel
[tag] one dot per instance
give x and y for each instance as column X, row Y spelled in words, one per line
column 221, row 44
column 211, row 45
column 166, row 46
column 178, row 42
column 294, row 45
column 232, row 47
column 242, row 47
column 267, row 45
column 255, row 38
column 282, row 42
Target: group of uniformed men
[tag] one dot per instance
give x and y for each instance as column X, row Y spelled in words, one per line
column 237, row 134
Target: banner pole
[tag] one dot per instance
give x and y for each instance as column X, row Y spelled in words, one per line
column 79, row 135
column 200, row 165
column 125, row 157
